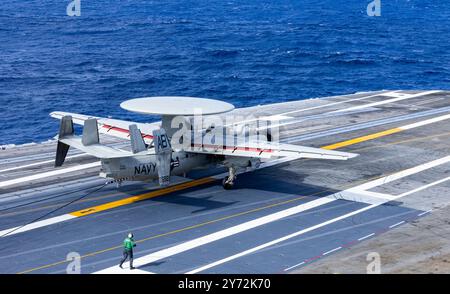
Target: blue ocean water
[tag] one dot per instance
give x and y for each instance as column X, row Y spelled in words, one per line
column 245, row 52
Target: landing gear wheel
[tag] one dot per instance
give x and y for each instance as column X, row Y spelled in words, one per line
column 227, row 185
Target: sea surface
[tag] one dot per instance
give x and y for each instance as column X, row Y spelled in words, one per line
column 244, row 52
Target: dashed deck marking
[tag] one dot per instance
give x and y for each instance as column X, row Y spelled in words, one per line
column 425, row 212
column 397, row 224
column 367, row 236
column 332, row 250
column 294, row 266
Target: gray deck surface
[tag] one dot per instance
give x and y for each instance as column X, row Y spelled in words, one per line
column 174, row 218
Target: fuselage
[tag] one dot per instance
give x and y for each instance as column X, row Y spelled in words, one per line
column 145, row 167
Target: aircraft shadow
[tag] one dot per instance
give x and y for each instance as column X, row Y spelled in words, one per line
column 273, row 179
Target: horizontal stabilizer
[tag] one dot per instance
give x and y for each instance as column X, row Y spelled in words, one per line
column 88, row 143
column 65, row 129
column 97, row 150
column 111, row 127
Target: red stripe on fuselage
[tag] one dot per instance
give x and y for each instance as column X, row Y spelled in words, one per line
column 113, row 128
column 234, row 148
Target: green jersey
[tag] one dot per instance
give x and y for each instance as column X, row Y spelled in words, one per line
column 128, row 244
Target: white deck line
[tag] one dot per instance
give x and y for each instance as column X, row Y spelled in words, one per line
column 311, row 108
column 48, row 174
column 425, row 122
column 375, row 197
column 295, row 265
column 383, row 196
column 332, row 250
column 397, row 224
column 38, row 224
column 394, row 94
column 335, row 103
column 275, row 117
column 366, row 236
column 403, row 97
column 38, row 163
column 423, row 187
column 402, row 174
column 425, row 212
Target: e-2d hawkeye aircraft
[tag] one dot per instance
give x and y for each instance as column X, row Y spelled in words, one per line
column 153, row 153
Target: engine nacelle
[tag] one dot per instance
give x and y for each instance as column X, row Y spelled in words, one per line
column 253, row 164
column 247, row 163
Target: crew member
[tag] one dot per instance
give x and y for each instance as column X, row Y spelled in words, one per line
column 128, row 245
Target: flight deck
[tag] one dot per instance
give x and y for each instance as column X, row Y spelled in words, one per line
column 289, row 216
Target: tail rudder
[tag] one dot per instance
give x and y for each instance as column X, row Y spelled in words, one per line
column 163, row 151
column 137, row 142
column 161, row 141
column 65, row 130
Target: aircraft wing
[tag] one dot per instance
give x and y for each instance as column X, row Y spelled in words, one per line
column 269, row 150
column 112, row 127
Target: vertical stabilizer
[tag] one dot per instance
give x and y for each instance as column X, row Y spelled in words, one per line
column 137, row 143
column 65, row 129
column 90, row 132
column 163, row 152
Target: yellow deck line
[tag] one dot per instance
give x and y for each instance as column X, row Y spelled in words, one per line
column 362, row 139
column 133, row 199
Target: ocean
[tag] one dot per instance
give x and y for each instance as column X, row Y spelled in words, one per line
column 243, row 52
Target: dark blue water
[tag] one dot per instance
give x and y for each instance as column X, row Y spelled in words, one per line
column 245, row 52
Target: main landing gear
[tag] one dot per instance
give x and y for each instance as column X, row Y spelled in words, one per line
column 228, row 181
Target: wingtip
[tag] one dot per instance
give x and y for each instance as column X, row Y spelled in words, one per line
column 353, row 155
column 55, row 114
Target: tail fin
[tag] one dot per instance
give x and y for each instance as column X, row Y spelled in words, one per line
column 161, row 141
column 163, row 151
column 65, row 129
column 90, row 132
column 66, row 126
column 137, row 143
